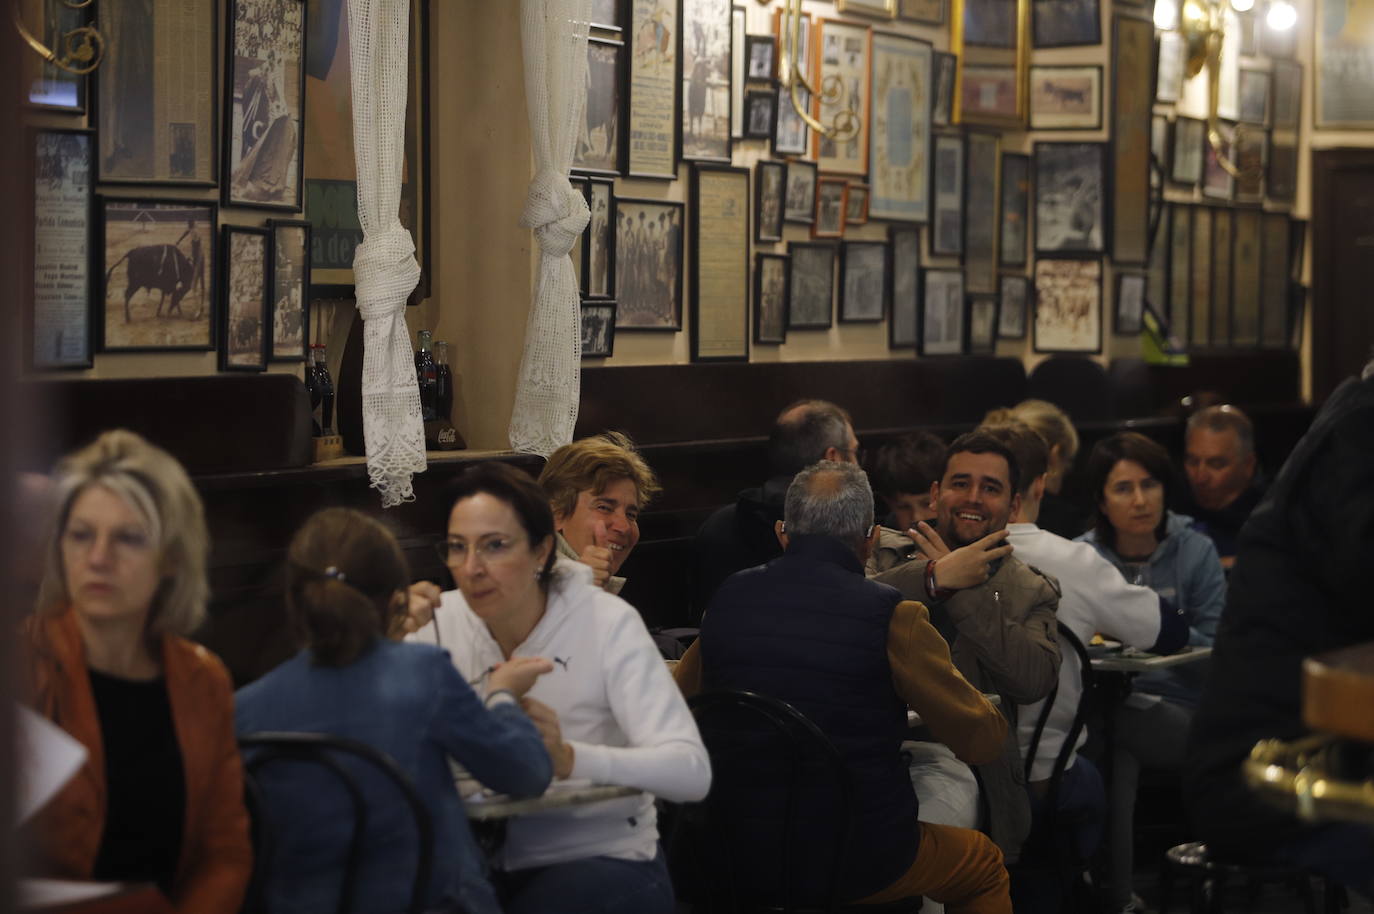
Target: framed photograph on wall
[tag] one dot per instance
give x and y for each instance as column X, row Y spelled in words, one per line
column 1015, row 186
column 863, row 281
column 720, row 264
column 760, row 114
column 899, row 167
column 1130, row 304
column 1217, row 182
column 1190, row 136
column 991, row 94
column 597, row 148
column 648, row 264
column 1070, row 198
column 792, row 137
column 771, row 276
column 655, row 99
column 1169, row 67
column 1066, row 23
column 759, row 54
column 1251, row 152
column 930, row 12
column 598, row 254
column 289, row 284
column 1254, row 96
column 905, row 247
column 945, row 68
column 842, row 53
column 856, row 204
column 947, row 224
column 990, row 23
column 62, row 169
column 982, row 324
column 1066, row 98
column 1287, row 94
column 157, row 261
column 243, row 329
column 1068, row 305
column 832, row 205
column 981, row 226
column 43, row 84
column 800, row 202
column 942, row 312
column 1014, row 290
column 707, row 79
column 264, row 139
column 770, row 180
column 598, row 329
column 811, row 284
column 1342, row 62
column 154, row 93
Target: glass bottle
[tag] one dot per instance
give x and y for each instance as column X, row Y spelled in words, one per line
column 443, row 382
column 321, row 387
column 425, row 370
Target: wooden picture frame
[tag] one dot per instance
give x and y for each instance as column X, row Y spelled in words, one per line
column 1068, row 305
column 1186, row 159
column 1015, row 208
column 58, row 327
column 770, row 180
column 981, row 218
column 947, row 196
column 243, row 318
column 771, row 278
column 943, row 315
column 982, row 324
column 707, row 70
column 597, row 150
column 166, row 240
column 799, row 204
column 760, row 114
column 927, row 12
column 899, row 168
column 945, row 73
column 904, row 257
column 856, row 199
column 598, row 251
column 1070, row 198
column 720, row 263
column 597, row 329
column 832, row 205
column 1065, row 23
column 647, row 266
column 288, row 303
column 811, row 284
column 991, row 41
column 1066, row 97
column 841, row 53
column 864, row 281
column 654, row 104
column 1128, row 312
column 760, row 58
column 1014, row 293
column 1133, row 49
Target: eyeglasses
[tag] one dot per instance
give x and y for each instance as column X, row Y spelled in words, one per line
column 496, row 549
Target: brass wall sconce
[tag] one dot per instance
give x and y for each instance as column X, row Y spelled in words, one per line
column 846, row 122
column 80, row 50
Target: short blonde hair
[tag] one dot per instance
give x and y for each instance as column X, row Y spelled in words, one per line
column 592, row 464
column 155, row 485
column 1045, row 418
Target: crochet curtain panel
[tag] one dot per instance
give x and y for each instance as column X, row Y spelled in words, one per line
column 384, row 267
column 554, row 37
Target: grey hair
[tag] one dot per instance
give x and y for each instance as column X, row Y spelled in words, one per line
column 830, row 499
column 1224, row 417
column 801, row 440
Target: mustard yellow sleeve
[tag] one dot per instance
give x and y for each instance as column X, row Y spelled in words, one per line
column 687, row 673
column 923, row 674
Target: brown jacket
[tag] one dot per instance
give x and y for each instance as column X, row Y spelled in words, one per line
column 216, row 855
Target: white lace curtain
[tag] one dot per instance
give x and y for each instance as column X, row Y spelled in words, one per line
column 384, row 267
column 554, row 36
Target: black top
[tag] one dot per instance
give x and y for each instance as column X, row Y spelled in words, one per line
column 146, row 788
column 1223, row 525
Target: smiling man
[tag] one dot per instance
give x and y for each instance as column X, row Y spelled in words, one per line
column 1219, row 458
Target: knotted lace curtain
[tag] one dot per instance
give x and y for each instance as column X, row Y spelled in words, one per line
column 554, row 37
column 384, row 267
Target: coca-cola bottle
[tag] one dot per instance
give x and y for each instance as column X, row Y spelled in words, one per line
column 443, row 382
column 425, row 375
column 321, row 387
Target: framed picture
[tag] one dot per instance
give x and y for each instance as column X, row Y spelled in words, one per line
column 842, row 58
column 707, row 79
column 947, row 225
column 759, row 54
column 1066, row 23
column 598, row 329
column 856, row 204
column 1011, row 316
column 989, row 23
column 598, row 254
column 154, row 89
column 1068, row 305
column 1222, row 241
column 158, row 262
column 770, row 179
column 720, row 264
column 790, row 136
column 990, row 95
column 1250, row 148
column 942, row 312
column 738, row 15
column 1281, row 182
column 800, row 202
column 1342, row 62
column 905, row 247
column 945, row 68
column 863, row 281
column 1217, row 182
column 655, row 92
column 1070, row 198
column 648, row 264
column 1169, row 68
column 760, row 113
column 289, row 285
column 1287, row 94
column 1190, row 136
column 811, row 284
column 899, row 166
column 1130, row 304
column 597, row 149
column 883, row 9
column 1274, row 280
column 1246, row 279
column 243, row 329
column 607, row 14
column 1015, row 185
column 832, row 205
column 771, row 275
column 1132, row 105
column 44, row 85
column 930, row 12
column 264, row 143
column 981, row 224
column 59, row 299
column 1066, row 98
column 1254, row 96
column 1199, row 330
column 982, row 324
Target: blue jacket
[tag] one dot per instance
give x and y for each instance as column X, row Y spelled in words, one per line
column 408, row 701
column 1185, row 570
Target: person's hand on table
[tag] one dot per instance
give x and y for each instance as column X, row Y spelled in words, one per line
column 545, row 720
column 597, row 556
column 518, row 674
column 422, row 601
column 967, row 566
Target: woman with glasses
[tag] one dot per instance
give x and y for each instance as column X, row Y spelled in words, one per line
column 609, row 711
column 1129, row 476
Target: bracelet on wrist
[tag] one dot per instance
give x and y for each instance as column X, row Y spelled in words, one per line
column 935, row 591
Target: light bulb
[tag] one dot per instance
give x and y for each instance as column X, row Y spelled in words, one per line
column 1166, row 14
column 1242, row 6
column 1282, row 16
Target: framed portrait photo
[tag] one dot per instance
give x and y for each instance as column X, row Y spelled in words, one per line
column 289, row 287
column 800, row 203
column 863, row 281
column 62, row 167
column 597, row 329
column 720, row 263
column 1070, row 198
column 982, row 324
column 945, row 68
column 1251, row 148
column 264, row 136
column 1014, row 291
column 597, row 148
column 811, row 284
column 771, row 276
column 1217, row 182
column 1015, row 186
column 770, row 181
column 157, row 260
column 1066, row 98
column 598, row 249
column 243, row 328
column 705, row 43
column 832, row 206
column 648, row 263
column 856, row 204
column 942, row 312
column 1130, row 304
column 655, row 91
column 760, row 114
column 899, row 168
column 790, row 135
column 1068, row 305
column 905, row 251
column 760, row 52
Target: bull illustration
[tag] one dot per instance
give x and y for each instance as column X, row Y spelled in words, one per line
column 160, row 267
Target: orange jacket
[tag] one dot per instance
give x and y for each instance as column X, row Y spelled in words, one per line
column 216, row 854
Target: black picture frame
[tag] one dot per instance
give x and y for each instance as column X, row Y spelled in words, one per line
column 799, row 200
column 770, row 310
column 1065, row 23
column 719, row 198
column 640, row 299
column 294, row 316
column 653, row 134
column 944, row 67
column 1014, row 241
column 982, row 323
column 59, row 332
column 760, row 58
column 811, row 272
column 1128, row 304
column 597, row 329
column 1014, row 293
column 949, row 162
column 1067, row 220
column 238, row 319
column 864, row 282
column 942, row 305
column 770, row 185
column 1055, row 305
column 760, row 114
column 45, row 86
column 607, row 70
column 705, row 17
column 982, row 221
column 904, row 268
column 1045, row 94
column 600, row 199
column 1186, row 157
column 990, row 23
column 255, row 143
column 608, row 15
column 189, row 226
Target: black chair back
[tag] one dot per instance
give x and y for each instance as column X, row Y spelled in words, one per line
column 261, row 749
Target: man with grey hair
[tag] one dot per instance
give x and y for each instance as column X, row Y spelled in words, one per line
column 850, row 654
column 1219, row 458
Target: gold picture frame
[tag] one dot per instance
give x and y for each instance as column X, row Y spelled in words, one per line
column 992, row 62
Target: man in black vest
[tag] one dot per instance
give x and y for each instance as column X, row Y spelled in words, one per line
column 852, row 656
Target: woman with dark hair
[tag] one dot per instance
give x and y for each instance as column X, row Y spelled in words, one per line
column 345, row 590
column 1129, row 477
column 609, row 712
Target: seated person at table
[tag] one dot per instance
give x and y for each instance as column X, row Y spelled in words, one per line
column 851, row 655
column 1129, row 476
column 345, row 590
column 609, row 712
column 903, row 471
column 159, row 797
column 1059, row 515
column 1219, row 459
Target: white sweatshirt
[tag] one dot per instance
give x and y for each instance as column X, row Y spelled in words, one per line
column 617, row 706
